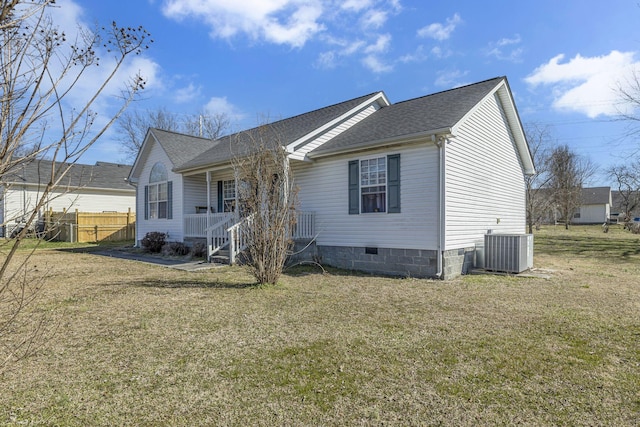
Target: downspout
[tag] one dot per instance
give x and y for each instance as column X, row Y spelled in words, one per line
column 440, row 143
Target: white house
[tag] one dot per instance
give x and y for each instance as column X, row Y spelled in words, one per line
column 407, row 188
column 88, row 188
column 595, row 206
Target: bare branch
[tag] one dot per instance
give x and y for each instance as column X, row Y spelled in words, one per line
column 40, row 70
column 268, row 198
column 132, row 126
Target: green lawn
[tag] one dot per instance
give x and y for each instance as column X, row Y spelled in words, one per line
column 137, row 344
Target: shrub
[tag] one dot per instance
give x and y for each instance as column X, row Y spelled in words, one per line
column 199, row 250
column 176, row 249
column 154, row 241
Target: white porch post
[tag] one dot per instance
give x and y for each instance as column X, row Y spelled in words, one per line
column 208, row 196
column 286, row 177
column 235, row 184
column 208, row 220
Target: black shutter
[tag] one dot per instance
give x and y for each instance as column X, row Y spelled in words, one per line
column 146, row 202
column 170, row 200
column 354, row 188
column 393, row 183
column 220, row 207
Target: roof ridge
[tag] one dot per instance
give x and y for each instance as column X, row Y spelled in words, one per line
column 309, row 112
column 451, row 90
column 180, row 133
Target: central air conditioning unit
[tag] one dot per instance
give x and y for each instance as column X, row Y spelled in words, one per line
column 509, row 253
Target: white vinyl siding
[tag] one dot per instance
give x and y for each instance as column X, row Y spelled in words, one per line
column 195, row 190
column 323, row 188
column 173, row 226
column 17, row 198
column 195, row 193
column 484, row 179
column 333, row 132
column 592, row 214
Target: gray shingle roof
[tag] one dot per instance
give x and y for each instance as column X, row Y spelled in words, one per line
column 420, row 115
column 101, row 175
column 181, row 148
column 286, row 131
column 416, row 116
column 596, row 195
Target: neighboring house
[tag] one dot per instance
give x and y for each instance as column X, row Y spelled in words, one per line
column 618, row 208
column 407, row 188
column 595, row 206
column 88, row 188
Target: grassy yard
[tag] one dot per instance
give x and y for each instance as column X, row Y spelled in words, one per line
column 138, row 344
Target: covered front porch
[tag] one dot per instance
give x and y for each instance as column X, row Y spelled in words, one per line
column 195, row 225
column 223, row 230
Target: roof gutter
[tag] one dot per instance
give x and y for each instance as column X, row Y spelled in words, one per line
column 68, row 188
column 403, row 139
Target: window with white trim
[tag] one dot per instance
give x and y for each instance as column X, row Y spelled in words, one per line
column 373, row 185
column 158, row 192
column 229, row 195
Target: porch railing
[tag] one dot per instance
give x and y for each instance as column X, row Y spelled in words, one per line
column 237, row 238
column 195, row 225
column 218, row 234
column 226, row 229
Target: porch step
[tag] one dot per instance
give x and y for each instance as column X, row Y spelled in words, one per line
column 220, row 257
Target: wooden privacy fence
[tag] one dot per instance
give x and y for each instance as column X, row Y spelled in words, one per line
column 67, row 226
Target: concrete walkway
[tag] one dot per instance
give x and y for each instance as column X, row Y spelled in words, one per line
column 178, row 264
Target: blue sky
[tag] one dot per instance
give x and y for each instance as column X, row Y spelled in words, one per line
column 277, row 58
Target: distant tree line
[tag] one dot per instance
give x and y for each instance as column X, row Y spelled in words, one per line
column 560, row 176
column 133, row 125
column 561, row 173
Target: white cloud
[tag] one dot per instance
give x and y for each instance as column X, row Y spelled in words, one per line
column 355, row 5
column 67, row 16
column 374, row 19
column 220, row 105
column 186, row 94
column 375, row 64
column 440, row 31
column 507, row 49
column 326, row 60
column 586, row 84
column 295, row 22
column 417, row 56
column 331, row 58
column 506, row 41
column 288, row 22
column 381, row 45
column 451, row 79
column 440, row 53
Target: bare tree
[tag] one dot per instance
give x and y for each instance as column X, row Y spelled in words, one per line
column 207, row 125
column 538, row 201
column 133, row 125
column 568, row 172
column 267, row 198
column 627, row 180
column 629, row 94
column 41, row 70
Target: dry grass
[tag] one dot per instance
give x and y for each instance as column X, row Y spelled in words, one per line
column 138, row 344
